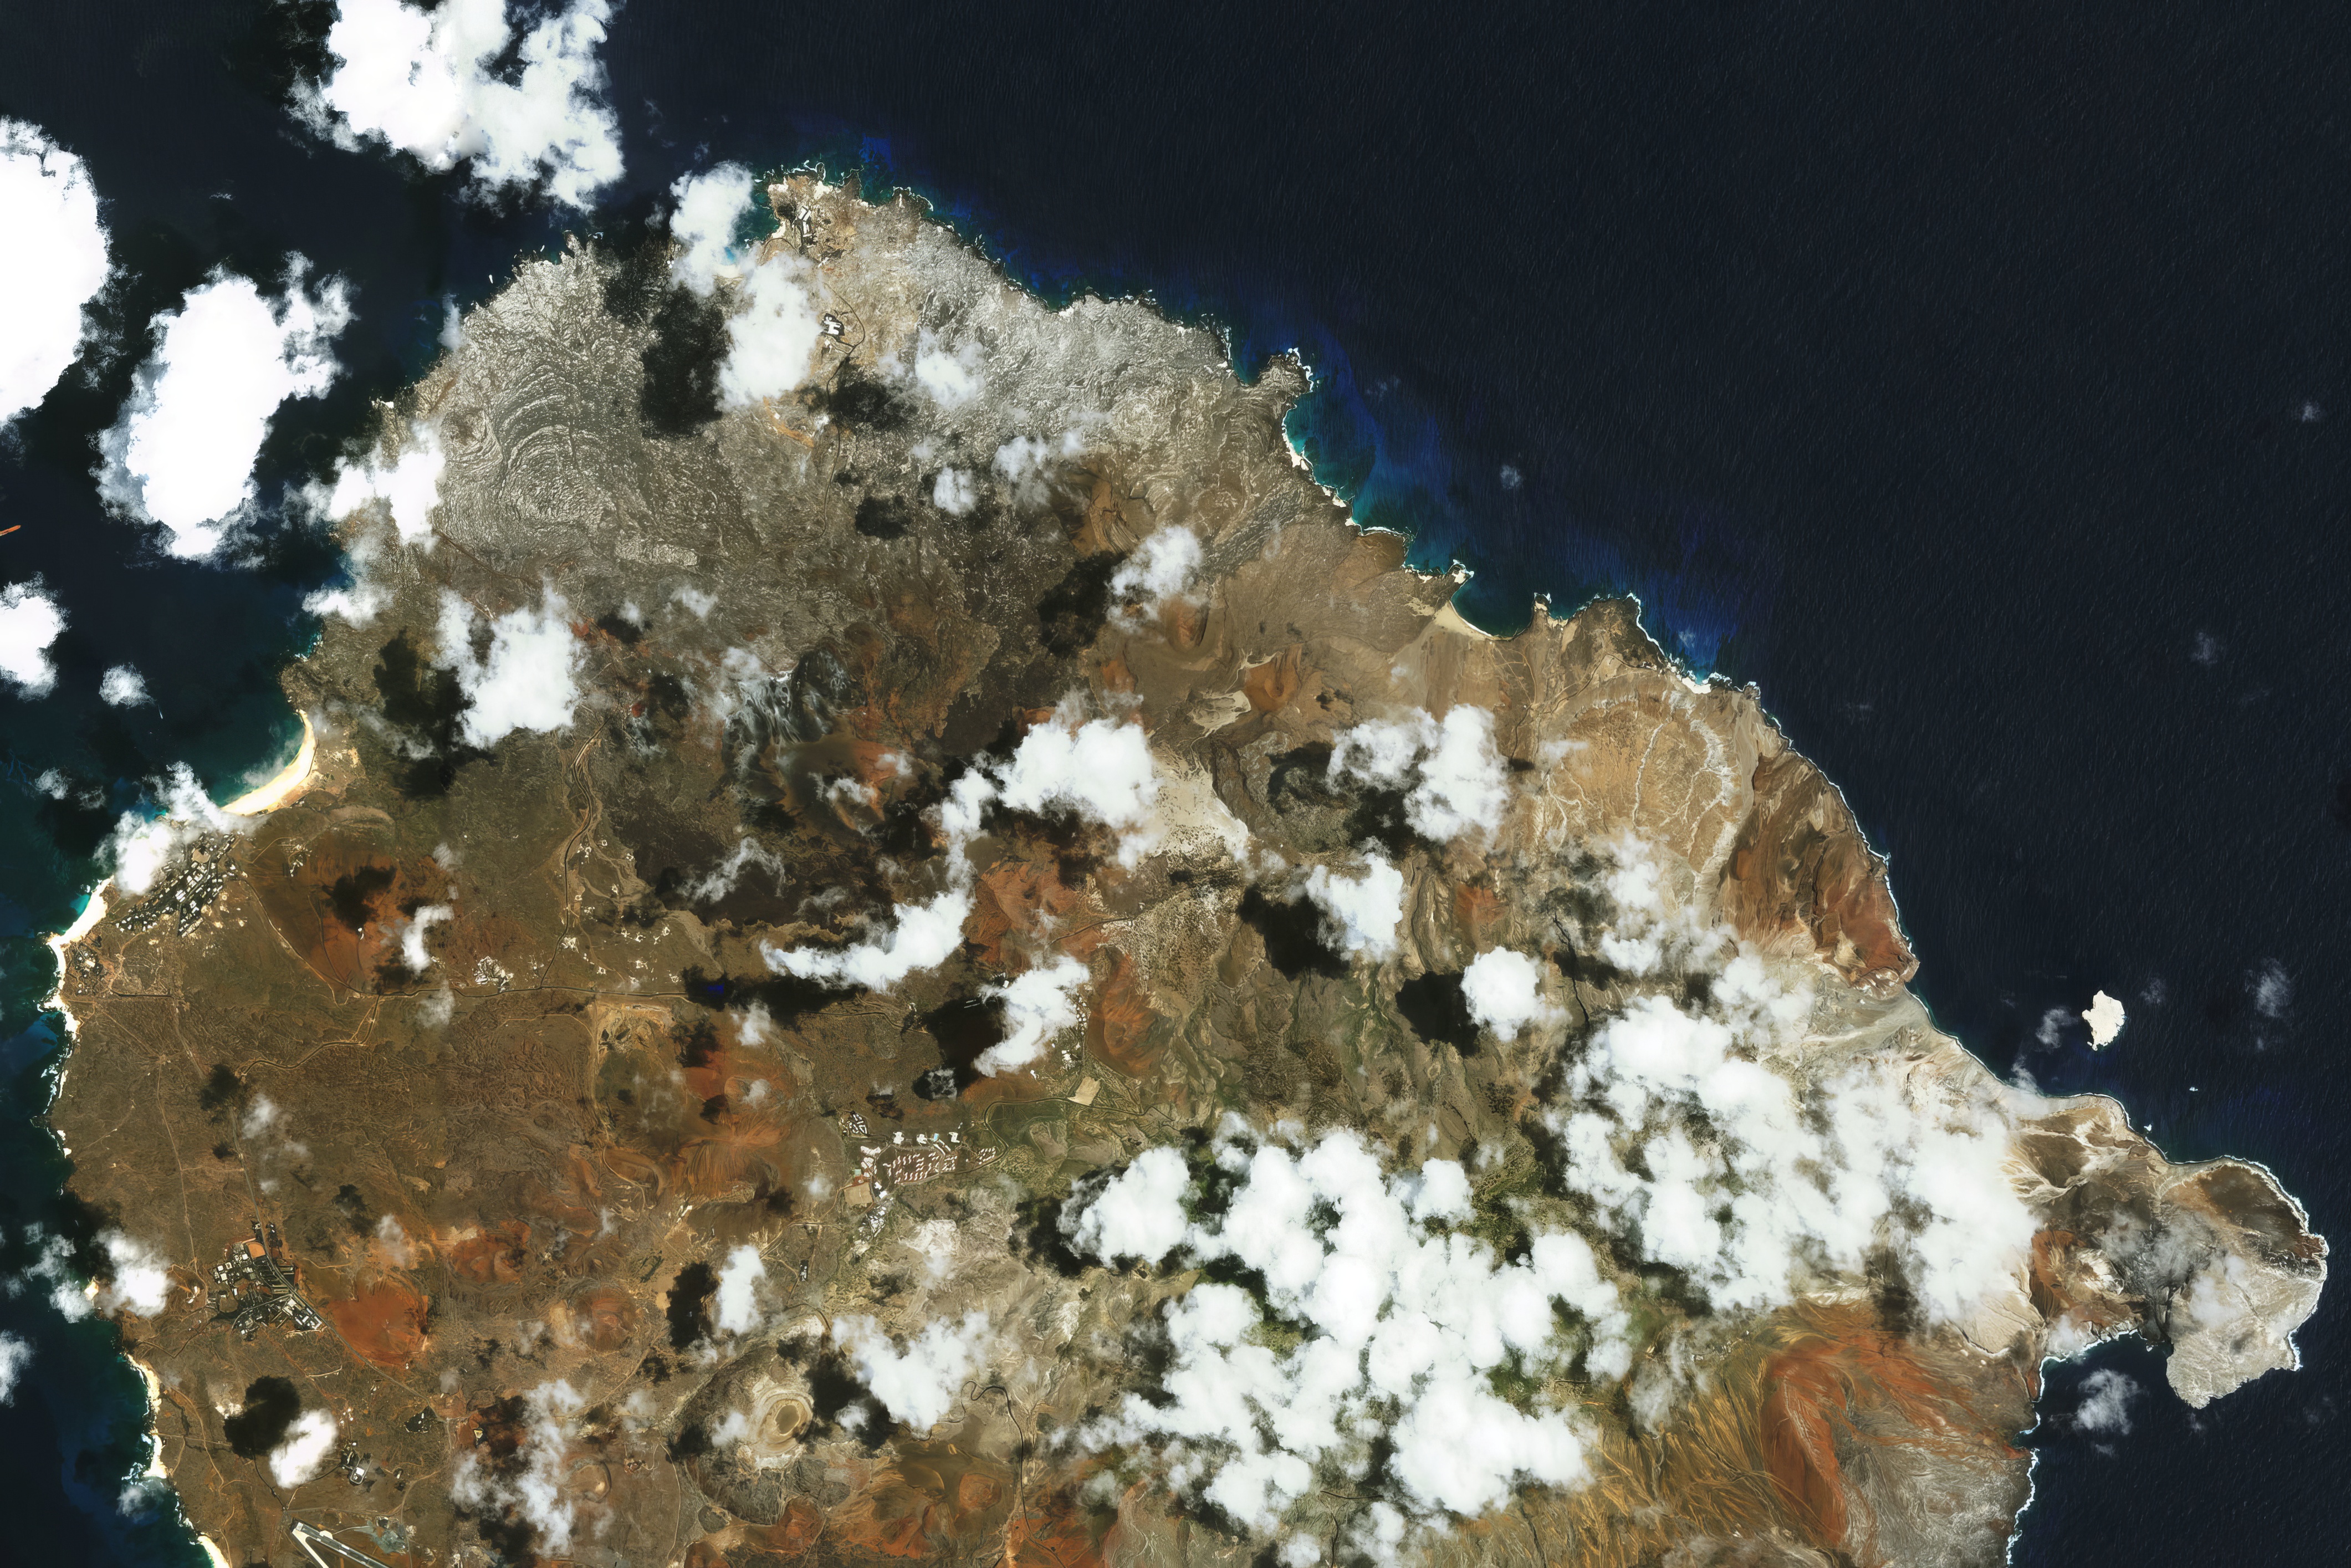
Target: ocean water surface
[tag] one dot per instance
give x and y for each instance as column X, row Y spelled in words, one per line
column 1974, row 383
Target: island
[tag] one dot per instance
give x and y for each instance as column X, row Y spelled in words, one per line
column 895, row 941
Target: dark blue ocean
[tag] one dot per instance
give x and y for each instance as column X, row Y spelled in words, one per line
column 1973, row 379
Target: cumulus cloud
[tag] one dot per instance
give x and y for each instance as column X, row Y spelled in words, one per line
column 308, row 1443
column 141, row 1285
column 1162, row 567
column 952, row 376
column 707, row 208
column 425, row 83
column 533, row 1488
column 1360, row 912
column 1460, row 783
column 2272, row 988
column 53, row 265
column 15, row 1354
column 260, row 1118
column 720, row 879
column 183, row 453
column 738, row 1291
column 771, row 335
column 1404, row 1323
column 1751, row 1186
column 2105, row 1404
column 921, row 936
column 953, row 493
column 122, row 686
column 1101, row 771
column 398, row 1250
column 1026, row 462
column 1648, row 932
column 29, row 622
column 920, row 1384
column 1456, row 778
column 529, row 681
column 1139, row 1213
column 411, row 935
column 1504, row 992
column 359, row 600
column 1038, row 1006
column 142, row 844
column 409, row 486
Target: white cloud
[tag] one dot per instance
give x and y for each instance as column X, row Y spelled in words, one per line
column 122, row 686
column 709, row 205
column 53, row 263
column 738, row 1291
column 1458, row 779
column 307, row 1445
column 921, row 936
column 720, row 880
column 528, row 682
column 1504, row 991
column 142, row 1280
column 771, row 335
column 1461, row 1447
column 2105, row 1406
column 397, row 1249
column 410, row 487
column 1649, row 932
column 423, row 83
column 919, row 1384
column 1024, row 459
column 1361, row 913
column 1161, row 567
column 183, row 453
column 1037, row 1006
column 29, row 622
column 1379, row 751
column 142, row 846
column 952, row 377
column 1139, row 1214
column 953, row 493
column 1752, row 1187
column 360, row 601
column 411, row 935
column 1405, row 1322
column 2273, row 990
column 1101, row 770
column 260, row 1118
column 15, row 1353
column 537, row 1491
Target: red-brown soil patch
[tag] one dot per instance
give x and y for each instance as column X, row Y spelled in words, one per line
column 1802, row 869
column 382, row 1321
column 494, row 1256
column 339, row 900
column 1119, row 1027
column 1015, row 898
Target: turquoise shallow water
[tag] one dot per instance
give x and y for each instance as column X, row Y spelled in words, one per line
column 1945, row 376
